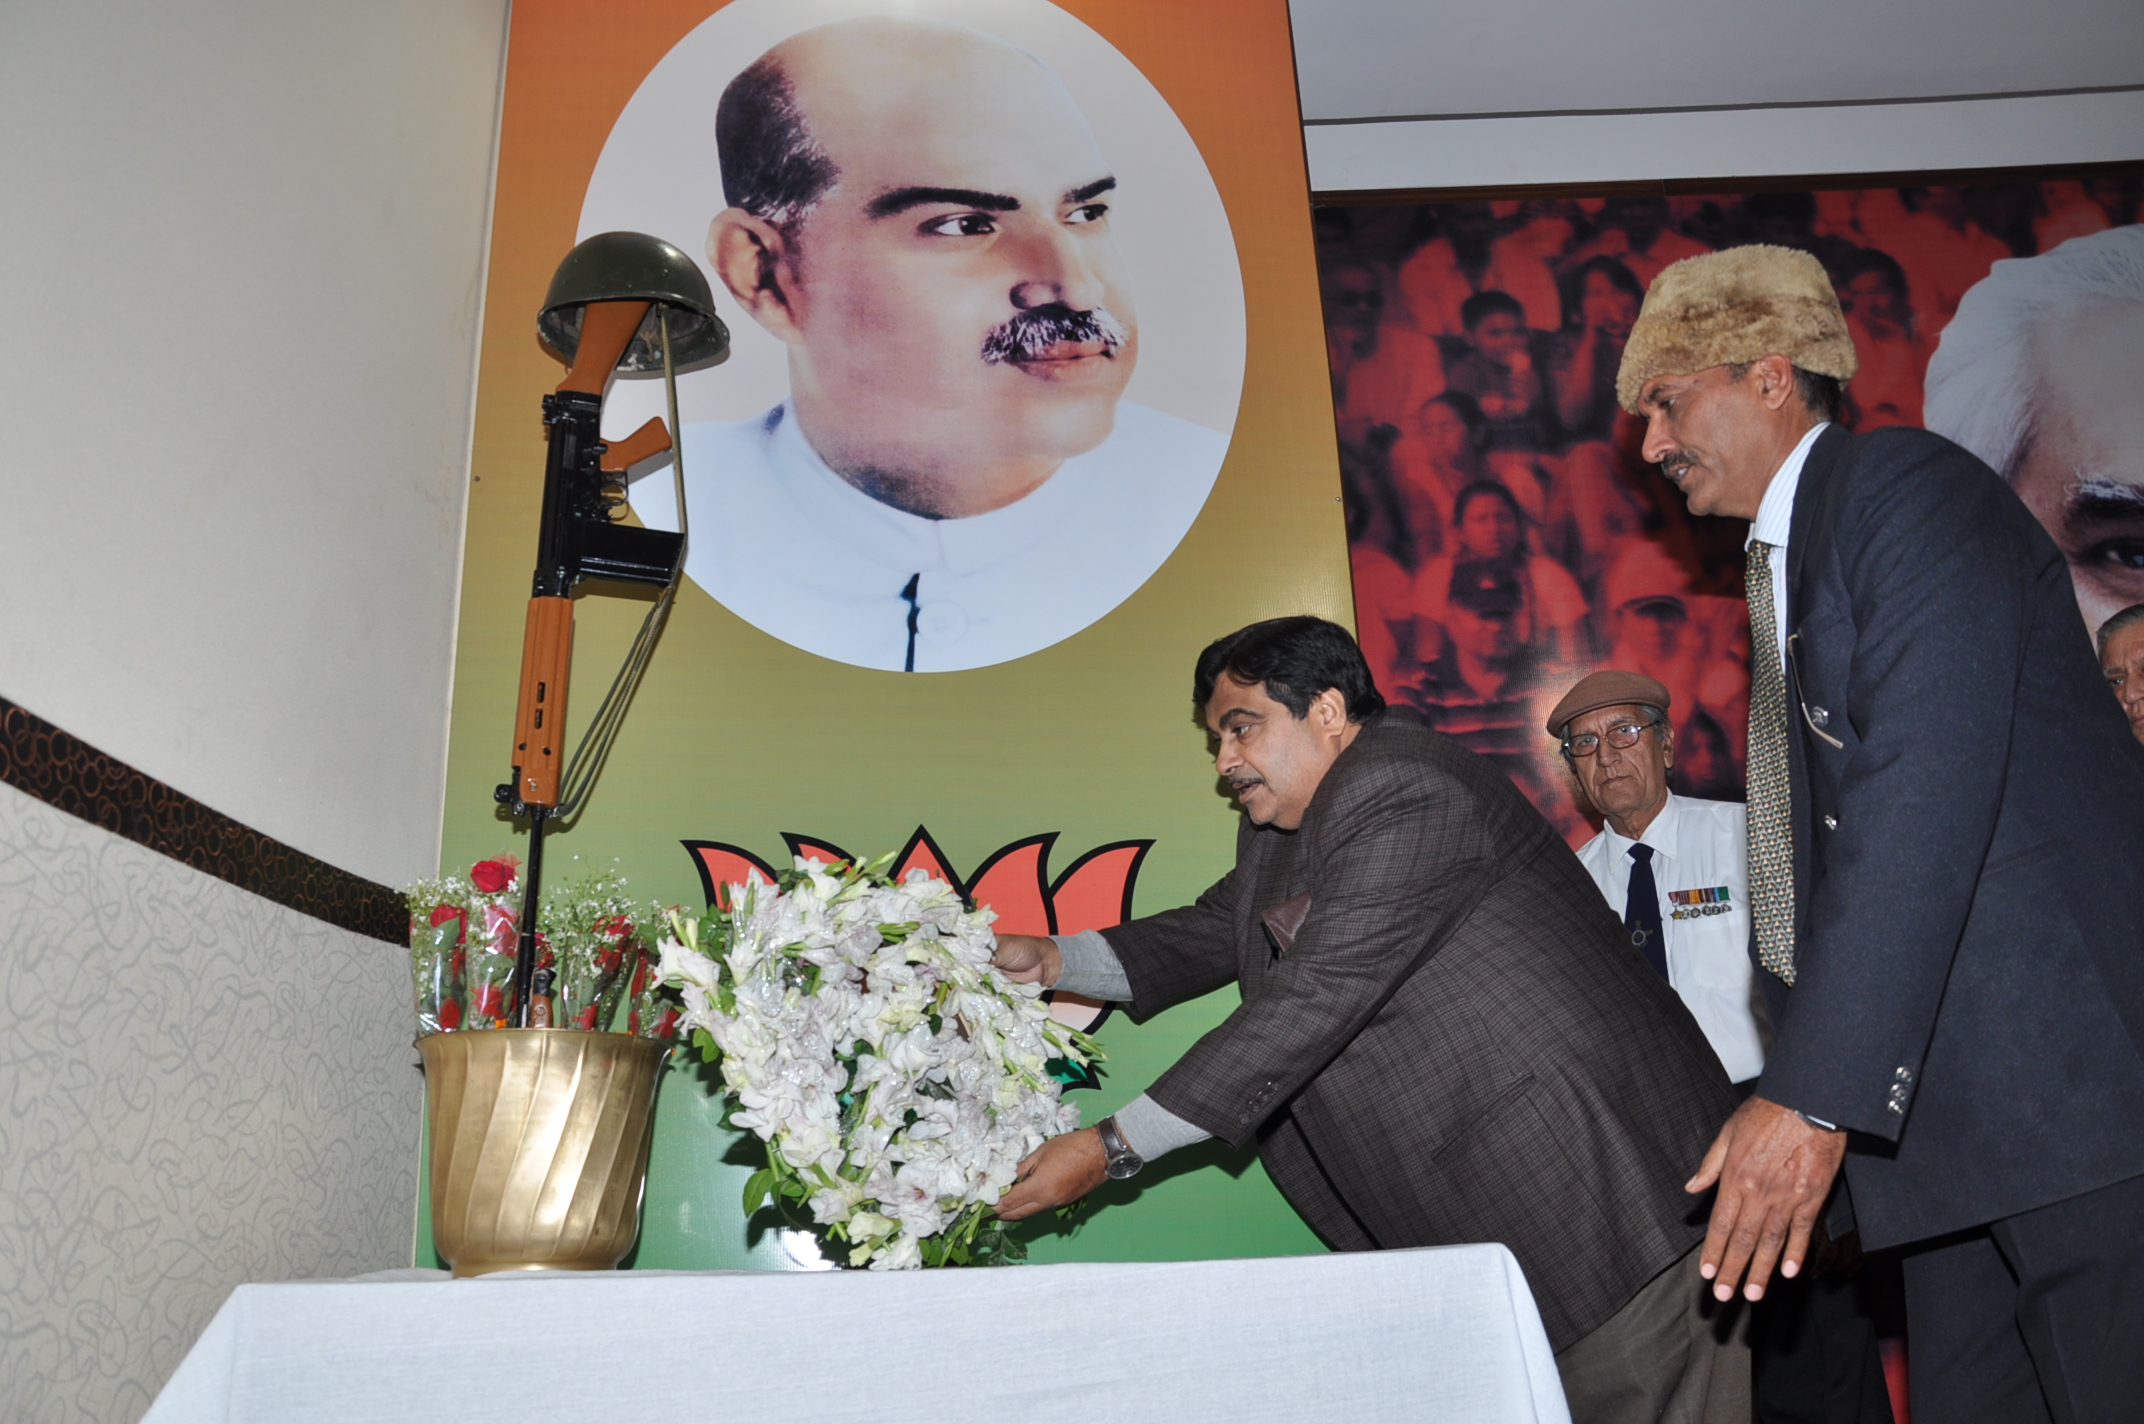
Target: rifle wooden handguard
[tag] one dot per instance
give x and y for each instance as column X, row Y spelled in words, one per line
column 540, row 714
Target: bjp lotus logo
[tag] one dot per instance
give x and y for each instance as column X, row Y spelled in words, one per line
column 1092, row 893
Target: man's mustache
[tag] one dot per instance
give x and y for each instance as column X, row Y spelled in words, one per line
column 1030, row 334
column 1237, row 785
column 1675, row 465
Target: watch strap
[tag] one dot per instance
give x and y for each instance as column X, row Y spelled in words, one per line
column 1123, row 1161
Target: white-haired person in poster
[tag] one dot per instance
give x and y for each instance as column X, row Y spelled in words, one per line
column 921, row 214
column 2036, row 375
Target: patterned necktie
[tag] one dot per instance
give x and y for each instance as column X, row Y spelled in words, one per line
column 1771, row 845
column 1641, row 912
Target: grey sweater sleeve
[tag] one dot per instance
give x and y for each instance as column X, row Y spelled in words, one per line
column 1091, row 969
column 1151, row 1129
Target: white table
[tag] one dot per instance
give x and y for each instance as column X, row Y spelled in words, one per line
column 1447, row 1333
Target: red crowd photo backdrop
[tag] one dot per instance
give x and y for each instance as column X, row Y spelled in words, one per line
column 1505, row 537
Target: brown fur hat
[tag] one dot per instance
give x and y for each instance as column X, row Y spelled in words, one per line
column 1730, row 307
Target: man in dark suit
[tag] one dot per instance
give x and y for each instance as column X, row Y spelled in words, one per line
column 1445, row 1036
column 1943, row 804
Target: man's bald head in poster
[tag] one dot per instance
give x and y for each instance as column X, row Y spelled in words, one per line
column 921, row 214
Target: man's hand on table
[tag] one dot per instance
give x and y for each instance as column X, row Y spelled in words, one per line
column 1060, row 1171
column 1774, row 1170
column 1029, row 959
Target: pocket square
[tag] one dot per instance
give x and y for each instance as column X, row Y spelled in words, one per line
column 1284, row 920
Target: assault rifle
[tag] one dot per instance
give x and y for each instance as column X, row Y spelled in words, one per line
column 622, row 303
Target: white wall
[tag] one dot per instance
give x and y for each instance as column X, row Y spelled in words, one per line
column 241, row 252
column 1468, row 93
column 241, row 244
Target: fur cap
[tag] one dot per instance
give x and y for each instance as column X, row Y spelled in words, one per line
column 1730, row 307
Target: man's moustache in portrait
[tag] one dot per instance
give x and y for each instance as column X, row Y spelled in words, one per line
column 1240, row 784
column 1030, row 335
column 1675, row 466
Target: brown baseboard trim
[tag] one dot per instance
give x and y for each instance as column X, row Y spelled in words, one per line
column 40, row 760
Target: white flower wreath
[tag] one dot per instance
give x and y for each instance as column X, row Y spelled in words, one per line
column 863, row 1034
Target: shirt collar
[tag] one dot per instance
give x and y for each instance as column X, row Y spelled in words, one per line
column 878, row 530
column 1775, row 515
column 1660, row 835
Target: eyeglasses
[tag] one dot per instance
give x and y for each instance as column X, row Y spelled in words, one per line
column 1621, row 736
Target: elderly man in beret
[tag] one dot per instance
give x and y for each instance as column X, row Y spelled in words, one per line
column 1940, row 792
column 1671, row 866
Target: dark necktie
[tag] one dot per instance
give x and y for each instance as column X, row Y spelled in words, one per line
column 1641, row 913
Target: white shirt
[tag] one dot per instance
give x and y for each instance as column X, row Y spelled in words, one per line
column 1774, row 521
column 796, row 551
column 1701, row 867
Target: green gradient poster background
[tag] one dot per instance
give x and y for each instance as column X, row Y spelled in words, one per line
column 738, row 737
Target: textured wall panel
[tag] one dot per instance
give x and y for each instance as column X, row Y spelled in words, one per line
column 197, row 1088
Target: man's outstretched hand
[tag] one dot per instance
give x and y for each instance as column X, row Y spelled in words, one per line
column 1062, row 1170
column 1029, row 959
column 1774, row 1170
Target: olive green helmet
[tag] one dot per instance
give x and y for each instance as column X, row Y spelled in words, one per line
column 632, row 266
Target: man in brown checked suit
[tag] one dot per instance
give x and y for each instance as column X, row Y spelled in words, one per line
column 1445, row 1035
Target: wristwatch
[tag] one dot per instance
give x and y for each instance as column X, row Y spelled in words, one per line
column 1122, row 1160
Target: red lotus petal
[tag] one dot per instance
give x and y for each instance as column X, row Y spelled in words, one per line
column 1011, row 883
column 1097, row 891
column 817, row 850
column 722, row 865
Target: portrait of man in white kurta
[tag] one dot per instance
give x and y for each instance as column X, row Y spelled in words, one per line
column 921, row 215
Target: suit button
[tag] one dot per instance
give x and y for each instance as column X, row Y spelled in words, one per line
column 1904, row 1075
column 1819, row 716
column 1831, row 823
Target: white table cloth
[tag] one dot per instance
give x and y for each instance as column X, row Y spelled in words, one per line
column 1447, row 1333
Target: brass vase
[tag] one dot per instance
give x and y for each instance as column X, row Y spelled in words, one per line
column 539, row 1145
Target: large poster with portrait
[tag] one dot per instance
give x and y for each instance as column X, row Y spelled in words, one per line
column 1504, row 534
column 1025, row 404
column 993, row 322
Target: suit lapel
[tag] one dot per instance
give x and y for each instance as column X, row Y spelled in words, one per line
column 1815, row 514
column 1809, row 494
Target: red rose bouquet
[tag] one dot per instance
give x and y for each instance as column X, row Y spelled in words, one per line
column 594, row 933
column 462, row 935
column 594, row 941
